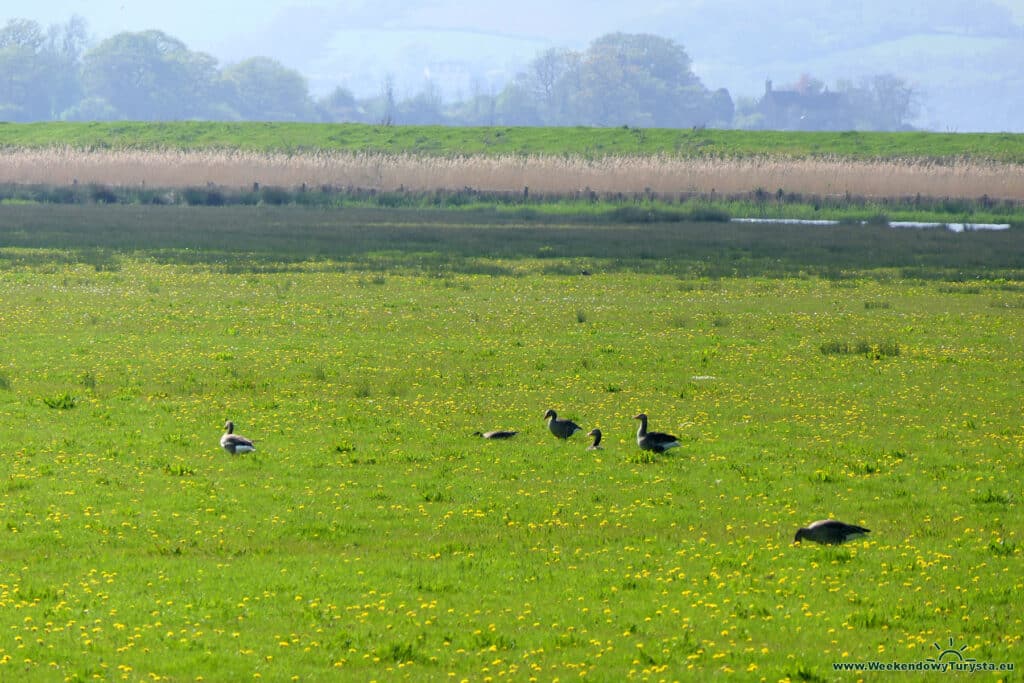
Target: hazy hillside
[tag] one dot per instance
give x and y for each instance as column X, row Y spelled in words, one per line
column 966, row 58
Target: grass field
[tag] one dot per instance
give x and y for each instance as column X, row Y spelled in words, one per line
column 590, row 143
column 372, row 537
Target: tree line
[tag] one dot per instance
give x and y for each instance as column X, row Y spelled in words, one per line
column 639, row 80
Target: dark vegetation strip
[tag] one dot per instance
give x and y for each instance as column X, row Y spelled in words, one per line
column 619, row 207
column 439, row 241
column 461, row 141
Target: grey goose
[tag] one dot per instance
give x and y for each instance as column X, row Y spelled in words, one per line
column 659, row 442
column 830, row 532
column 233, row 443
column 496, row 434
column 561, row 427
column 596, row 446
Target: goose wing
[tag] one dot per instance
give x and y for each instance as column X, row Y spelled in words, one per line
column 659, row 442
column 234, row 441
column 568, row 427
column 498, row 434
column 661, row 437
column 830, row 531
column 560, row 426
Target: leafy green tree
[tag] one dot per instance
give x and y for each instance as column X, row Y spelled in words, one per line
column 895, row 102
column 90, row 109
column 150, row 76
column 631, row 79
column 38, row 70
column 22, row 68
column 481, row 109
column 23, row 33
column 553, row 82
column 640, row 79
column 720, row 109
column 422, row 109
column 262, row 89
column 880, row 102
column 340, row 105
column 517, row 106
column 67, row 44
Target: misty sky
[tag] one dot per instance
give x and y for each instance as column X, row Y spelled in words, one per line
column 462, row 47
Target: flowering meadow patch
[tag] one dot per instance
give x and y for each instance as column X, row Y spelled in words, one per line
column 372, row 536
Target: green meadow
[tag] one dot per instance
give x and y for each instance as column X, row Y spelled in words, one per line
column 856, row 372
column 498, row 140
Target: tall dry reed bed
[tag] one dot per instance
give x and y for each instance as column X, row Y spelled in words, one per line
column 541, row 174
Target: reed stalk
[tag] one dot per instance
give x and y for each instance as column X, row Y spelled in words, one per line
column 546, row 175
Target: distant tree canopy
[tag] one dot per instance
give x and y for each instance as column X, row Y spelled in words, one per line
column 39, row 69
column 262, row 88
column 621, row 79
column 638, row 80
column 882, row 102
column 149, row 76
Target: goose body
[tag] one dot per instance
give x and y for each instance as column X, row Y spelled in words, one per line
column 561, row 427
column 659, row 442
column 830, row 532
column 233, row 443
column 596, row 446
column 496, row 434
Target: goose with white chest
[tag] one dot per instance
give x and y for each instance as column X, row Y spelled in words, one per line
column 235, row 443
column 659, row 442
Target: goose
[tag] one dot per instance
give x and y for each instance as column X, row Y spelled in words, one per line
column 596, row 446
column 233, row 443
column 659, row 442
column 561, row 427
column 830, row 532
column 496, row 434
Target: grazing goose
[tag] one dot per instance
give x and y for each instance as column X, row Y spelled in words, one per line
column 233, row 443
column 830, row 532
column 560, row 427
column 496, row 434
column 596, row 446
column 659, row 442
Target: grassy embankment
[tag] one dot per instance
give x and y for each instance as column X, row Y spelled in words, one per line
column 591, row 143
